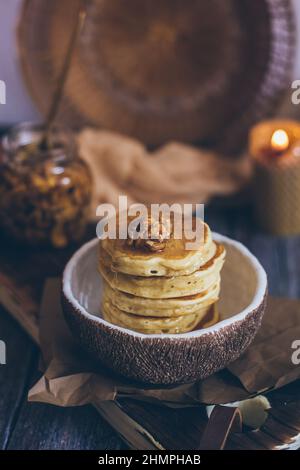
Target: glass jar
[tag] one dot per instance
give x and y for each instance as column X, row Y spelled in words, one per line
column 45, row 189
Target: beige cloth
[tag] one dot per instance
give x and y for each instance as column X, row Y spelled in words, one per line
column 174, row 173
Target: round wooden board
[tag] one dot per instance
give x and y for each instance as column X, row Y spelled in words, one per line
column 176, row 69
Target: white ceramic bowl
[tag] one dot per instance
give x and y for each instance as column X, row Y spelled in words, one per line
column 167, row 358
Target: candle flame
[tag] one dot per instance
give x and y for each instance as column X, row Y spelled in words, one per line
column 280, row 140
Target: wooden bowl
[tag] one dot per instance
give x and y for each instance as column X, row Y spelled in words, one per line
column 166, row 358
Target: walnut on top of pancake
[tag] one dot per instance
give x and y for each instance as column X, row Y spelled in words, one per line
column 153, row 234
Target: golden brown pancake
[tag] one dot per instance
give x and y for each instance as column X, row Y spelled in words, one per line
column 174, row 260
column 172, row 307
column 152, row 325
column 164, row 287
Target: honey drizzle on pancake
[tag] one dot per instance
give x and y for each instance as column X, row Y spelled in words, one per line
column 211, row 318
column 175, row 248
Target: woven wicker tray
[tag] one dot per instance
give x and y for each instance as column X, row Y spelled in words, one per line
column 176, row 69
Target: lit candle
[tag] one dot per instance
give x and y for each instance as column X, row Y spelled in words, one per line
column 275, row 148
column 280, row 141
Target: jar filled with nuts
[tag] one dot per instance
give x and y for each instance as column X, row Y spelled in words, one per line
column 45, row 188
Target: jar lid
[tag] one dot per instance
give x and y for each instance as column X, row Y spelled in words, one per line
column 22, row 144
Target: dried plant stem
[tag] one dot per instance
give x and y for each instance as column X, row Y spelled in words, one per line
column 58, row 93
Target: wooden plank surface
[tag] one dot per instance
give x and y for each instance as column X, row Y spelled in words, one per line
column 14, row 375
column 37, row 426
column 26, row 425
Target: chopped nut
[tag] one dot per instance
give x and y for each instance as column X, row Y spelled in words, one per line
column 153, row 235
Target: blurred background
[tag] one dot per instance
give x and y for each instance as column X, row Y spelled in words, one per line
column 20, row 103
column 161, row 97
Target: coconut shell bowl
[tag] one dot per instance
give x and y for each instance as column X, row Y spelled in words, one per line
column 167, row 358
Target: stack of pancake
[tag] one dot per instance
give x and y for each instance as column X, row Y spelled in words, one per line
column 168, row 290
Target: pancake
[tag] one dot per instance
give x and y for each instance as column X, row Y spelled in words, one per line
column 165, row 287
column 161, row 307
column 156, row 285
column 174, row 260
column 152, row 325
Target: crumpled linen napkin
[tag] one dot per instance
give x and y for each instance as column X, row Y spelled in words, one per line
column 173, row 173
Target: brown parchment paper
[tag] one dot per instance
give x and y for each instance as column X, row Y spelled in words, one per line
column 72, row 378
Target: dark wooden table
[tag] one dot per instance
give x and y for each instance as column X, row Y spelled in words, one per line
column 26, row 425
